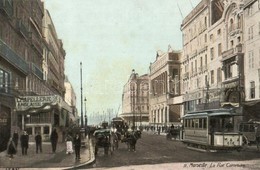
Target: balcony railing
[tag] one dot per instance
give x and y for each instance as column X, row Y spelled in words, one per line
column 8, row 54
column 7, row 7
column 36, row 42
column 22, row 28
column 232, row 51
column 36, row 71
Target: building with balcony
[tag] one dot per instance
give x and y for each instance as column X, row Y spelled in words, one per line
column 165, row 93
column 135, row 100
column 251, row 43
column 27, row 100
column 216, row 72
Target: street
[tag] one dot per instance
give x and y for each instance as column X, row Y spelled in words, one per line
column 155, row 149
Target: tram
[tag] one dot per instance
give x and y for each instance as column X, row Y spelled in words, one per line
column 211, row 130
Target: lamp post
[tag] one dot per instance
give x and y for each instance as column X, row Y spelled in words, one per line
column 86, row 119
column 81, row 118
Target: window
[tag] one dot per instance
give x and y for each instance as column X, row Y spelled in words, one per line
column 250, row 33
column 212, row 53
column 219, row 32
column 4, row 81
column 219, row 49
column 252, row 89
column 219, row 76
column 251, row 59
column 212, row 76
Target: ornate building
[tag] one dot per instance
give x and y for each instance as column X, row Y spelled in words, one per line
column 165, row 95
column 135, row 100
column 213, row 55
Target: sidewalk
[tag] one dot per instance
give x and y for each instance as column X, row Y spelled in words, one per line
column 47, row 159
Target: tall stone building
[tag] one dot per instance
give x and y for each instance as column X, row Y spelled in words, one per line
column 213, row 53
column 165, row 95
column 251, row 60
column 29, row 98
column 135, row 100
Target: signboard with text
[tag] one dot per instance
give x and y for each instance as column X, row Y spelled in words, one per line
column 28, row 102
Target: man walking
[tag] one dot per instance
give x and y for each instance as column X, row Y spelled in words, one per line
column 77, row 145
column 54, row 140
column 38, row 141
column 24, row 142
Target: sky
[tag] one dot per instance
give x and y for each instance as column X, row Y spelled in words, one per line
column 110, row 38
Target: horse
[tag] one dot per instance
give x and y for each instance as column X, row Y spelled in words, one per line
column 131, row 139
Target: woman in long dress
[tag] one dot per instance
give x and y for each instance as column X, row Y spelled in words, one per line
column 69, row 145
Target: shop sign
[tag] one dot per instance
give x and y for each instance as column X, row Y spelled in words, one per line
column 28, row 102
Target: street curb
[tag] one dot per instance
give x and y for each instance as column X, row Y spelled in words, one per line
column 89, row 162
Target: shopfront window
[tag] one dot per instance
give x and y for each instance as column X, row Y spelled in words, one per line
column 4, row 81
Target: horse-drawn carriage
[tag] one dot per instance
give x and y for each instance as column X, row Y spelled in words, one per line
column 102, row 139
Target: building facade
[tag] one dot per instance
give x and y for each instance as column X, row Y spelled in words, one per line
column 213, row 55
column 251, row 60
column 29, row 98
column 135, row 100
column 165, row 94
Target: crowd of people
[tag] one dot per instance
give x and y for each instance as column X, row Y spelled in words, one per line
column 12, row 146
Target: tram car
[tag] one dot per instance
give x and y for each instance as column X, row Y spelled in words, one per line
column 120, row 125
column 212, row 130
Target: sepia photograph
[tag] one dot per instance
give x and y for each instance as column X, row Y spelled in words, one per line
column 130, row 84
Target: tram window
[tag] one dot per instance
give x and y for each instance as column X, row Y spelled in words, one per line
column 246, row 128
column 251, row 128
column 192, row 123
column 205, row 123
column 46, row 130
column 241, row 128
column 196, row 121
column 29, row 130
column 200, row 123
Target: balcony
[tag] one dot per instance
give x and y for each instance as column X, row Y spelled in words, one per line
column 9, row 55
column 232, row 52
column 7, row 7
column 36, row 42
column 22, row 28
column 36, row 71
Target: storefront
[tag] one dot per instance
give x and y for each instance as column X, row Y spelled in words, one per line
column 5, row 120
column 42, row 114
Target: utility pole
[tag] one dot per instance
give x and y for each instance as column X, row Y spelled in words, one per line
column 81, row 95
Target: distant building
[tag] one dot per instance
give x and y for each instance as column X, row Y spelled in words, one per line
column 165, row 93
column 135, row 100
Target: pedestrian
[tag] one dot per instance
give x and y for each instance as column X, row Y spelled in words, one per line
column 54, row 140
column 77, row 145
column 69, row 145
column 15, row 138
column 24, row 139
column 38, row 141
column 11, row 149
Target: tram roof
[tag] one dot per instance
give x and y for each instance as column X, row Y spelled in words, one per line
column 210, row 113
